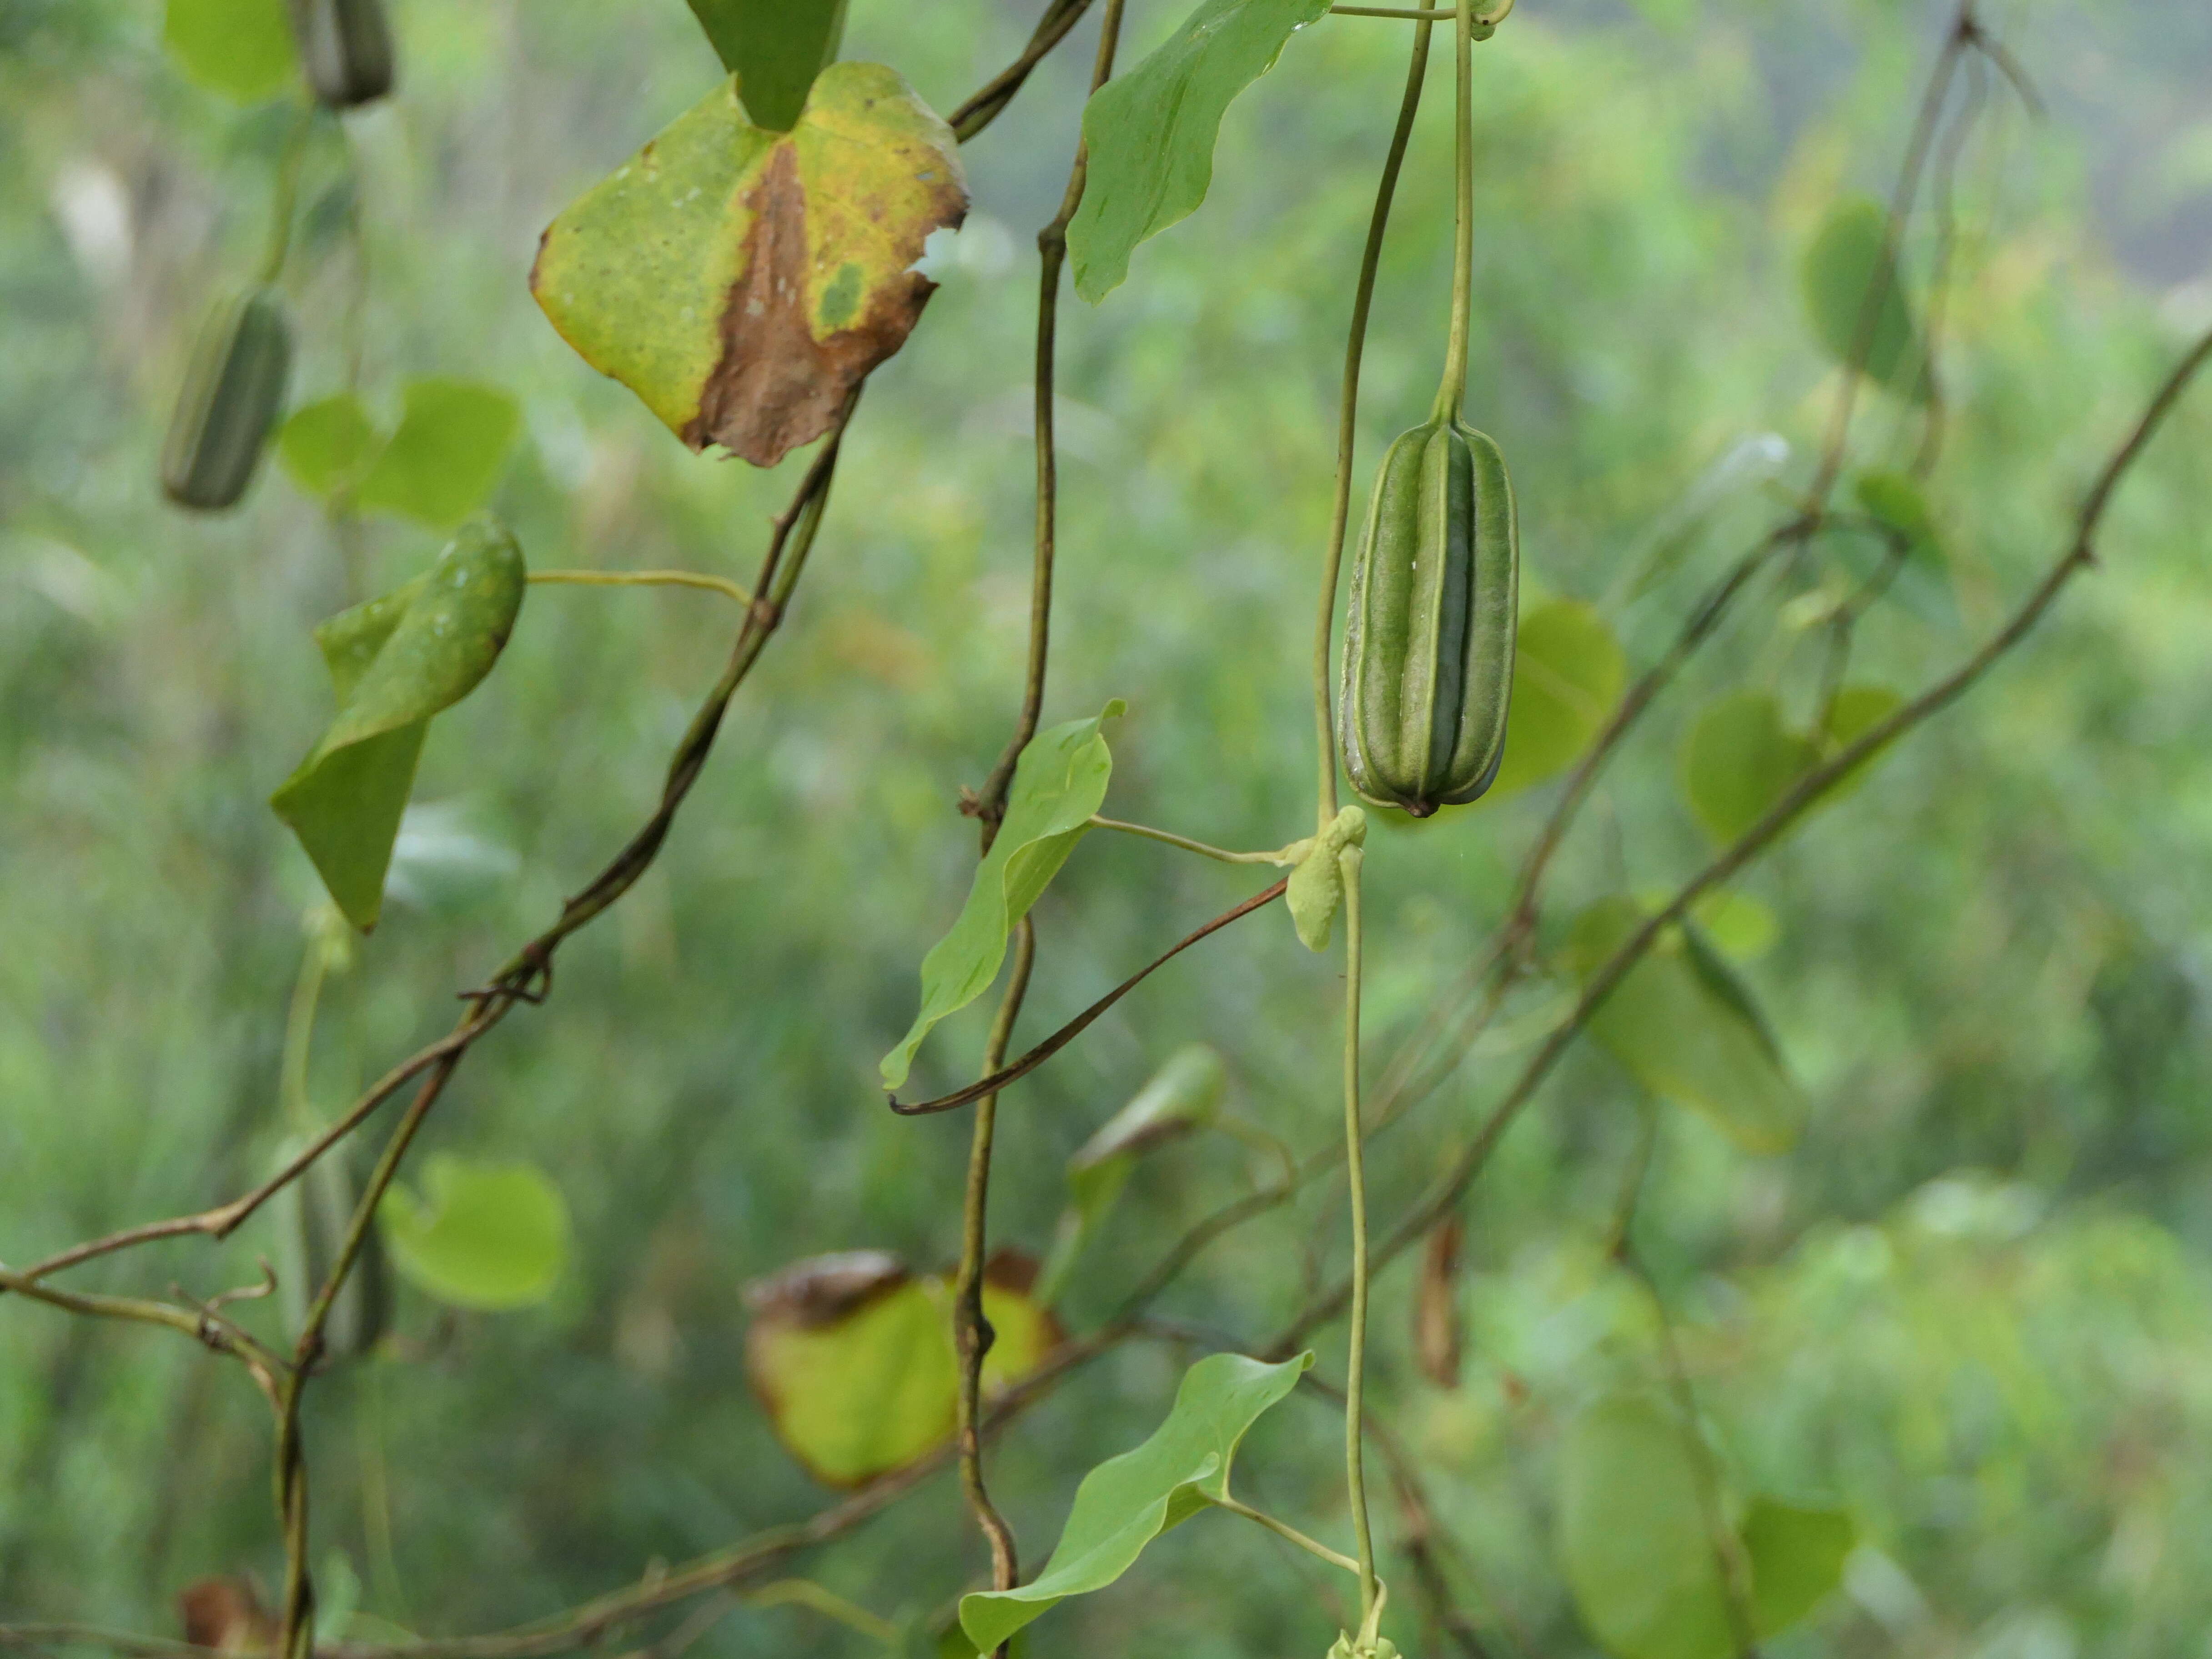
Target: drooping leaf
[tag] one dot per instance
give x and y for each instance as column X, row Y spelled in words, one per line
column 445, row 459
column 742, row 282
column 1685, row 1026
column 1317, row 888
column 1849, row 267
column 1568, row 670
column 1738, row 760
column 775, row 48
column 1637, row 1546
column 489, row 1236
column 1150, row 132
column 852, row 1357
column 394, row 662
column 1059, row 784
column 242, row 49
column 1127, row 1501
column 327, row 446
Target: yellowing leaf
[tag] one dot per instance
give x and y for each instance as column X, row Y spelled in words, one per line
column 1568, row 670
column 394, row 662
column 852, row 1357
column 242, row 49
column 775, row 48
column 741, row 281
column 443, row 461
column 483, row 1235
column 1059, row 783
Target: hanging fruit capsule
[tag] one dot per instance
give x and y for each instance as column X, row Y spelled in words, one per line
column 232, row 389
column 1428, row 644
column 346, row 48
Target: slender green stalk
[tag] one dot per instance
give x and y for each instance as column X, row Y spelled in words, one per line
column 806, row 1593
column 1355, row 1169
column 722, row 585
column 1453, row 392
column 299, row 1033
column 1185, row 843
column 1283, row 1529
column 1347, row 427
column 285, row 200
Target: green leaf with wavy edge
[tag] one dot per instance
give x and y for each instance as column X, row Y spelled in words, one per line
column 775, row 48
column 1638, row 1552
column 1059, row 783
column 1848, row 265
column 1317, row 884
column 394, row 662
column 1127, row 1501
column 743, row 281
column 1684, row 1025
column 483, row 1235
column 1150, row 133
column 446, row 459
column 326, row 445
column 1568, row 670
column 242, row 49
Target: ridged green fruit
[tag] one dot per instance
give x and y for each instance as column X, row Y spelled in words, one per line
column 1428, row 643
column 232, row 390
column 345, row 46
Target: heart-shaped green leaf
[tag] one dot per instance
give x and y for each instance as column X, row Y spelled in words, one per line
column 742, row 281
column 1686, row 1027
column 1127, row 1501
column 1567, row 674
column 1059, row 784
column 775, row 48
column 852, row 1357
column 242, row 49
column 327, row 446
column 1739, row 758
column 488, row 1237
column 444, row 460
column 1857, row 301
column 1150, row 133
column 1637, row 1544
column 394, row 662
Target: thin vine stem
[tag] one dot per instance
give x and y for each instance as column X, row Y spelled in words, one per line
column 722, row 585
column 1185, row 843
column 1452, row 394
column 1347, row 428
column 1290, row 1534
column 1355, row 1164
column 284, row 197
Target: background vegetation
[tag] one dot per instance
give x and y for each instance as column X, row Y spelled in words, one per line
column 1973, row 1302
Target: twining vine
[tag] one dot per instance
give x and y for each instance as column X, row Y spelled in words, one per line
column 1417, row 713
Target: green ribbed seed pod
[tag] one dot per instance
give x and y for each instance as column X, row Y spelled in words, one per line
column 232, row 390
column 1428, row 644
column 345, row 46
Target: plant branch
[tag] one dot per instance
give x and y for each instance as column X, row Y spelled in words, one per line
column 985, row 107
column 1186, row 844
column 722, row 585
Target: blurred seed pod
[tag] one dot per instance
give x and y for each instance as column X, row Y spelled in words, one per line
column 312, row 1216
column 345, row 46
column 232, row 389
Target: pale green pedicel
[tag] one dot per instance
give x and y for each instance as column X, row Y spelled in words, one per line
column 1127, row 1501
column 1059, row 783
column 1150, row 133
column 394, row 662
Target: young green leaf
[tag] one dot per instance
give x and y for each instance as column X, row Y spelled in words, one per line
column 1059, row 783
column 775, row 48
column 1568, row 670
column 1849, row 266
column 489, row 1236
column 743, row 281
column 1738, row 760
column 445, row 459
column 1796, row 1556
column 852, row 1357
column 1150, row 132
column 1127, row 1501
column 394, row 662
column 326, row 446
column 1687, row 1028
column 242, row 49
column 1317, row 887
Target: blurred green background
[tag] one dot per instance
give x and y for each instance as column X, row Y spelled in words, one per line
column 1973, row 1303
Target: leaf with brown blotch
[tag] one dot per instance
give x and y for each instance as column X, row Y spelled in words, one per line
column 1435, row 1306
column 743, row 281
